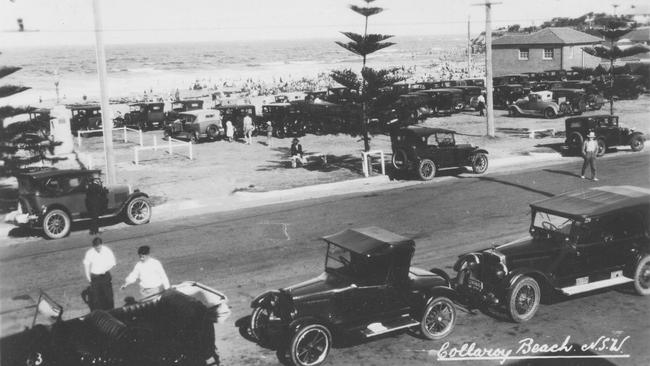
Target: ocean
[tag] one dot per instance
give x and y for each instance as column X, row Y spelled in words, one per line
column 133, row 69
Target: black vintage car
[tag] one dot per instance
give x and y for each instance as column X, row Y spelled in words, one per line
column 368, row 289
column 571, row 101
column 173, row 328
column 180, row 106
column 426, row 150
column 85, row 117
column 595, row 98
column 579, row 241
column 285, row 118
column 235, row 113
column 505, row 95
column 519, row 79
column 607, row 130
column 146, row 115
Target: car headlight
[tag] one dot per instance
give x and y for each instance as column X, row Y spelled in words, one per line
column 501, row 274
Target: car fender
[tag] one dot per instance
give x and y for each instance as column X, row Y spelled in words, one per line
column 479, row 151
column 637, row 133
column 541, row 278
column 264, row 298
column 299, row 322
column 54, row 206
column 633, row 262
column 516, row 108
column 130, row 197
column 442, row 291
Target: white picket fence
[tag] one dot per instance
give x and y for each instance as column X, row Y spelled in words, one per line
column 171, row 144
column 123, row 129
column 366, row 161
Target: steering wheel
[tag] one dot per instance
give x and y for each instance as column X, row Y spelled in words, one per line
column 345, row 261
column 549, row 226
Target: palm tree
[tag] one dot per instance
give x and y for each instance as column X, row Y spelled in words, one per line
column 614, row 28
column 363, row 45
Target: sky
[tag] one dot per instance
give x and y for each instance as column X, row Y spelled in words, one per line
column 70, row 22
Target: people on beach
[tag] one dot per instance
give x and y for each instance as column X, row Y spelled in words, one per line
column 269, row 133
column 230, row 131
column 248, row 129
column 98, row 262
column 589, row 153
column 296, row 153
column 149, row 272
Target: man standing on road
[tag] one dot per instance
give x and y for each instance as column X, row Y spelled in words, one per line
column 98, row 262
column 149, row 271
column 589, row 152
column 248, row 129
column 481, row 105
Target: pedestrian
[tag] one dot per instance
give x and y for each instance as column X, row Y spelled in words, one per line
column 589, row 152
column 481, row 105
column 296, row 153
column 98, row 262
column 96, row 202
column 230, row 131
column 248, row 129
column 149, row 272
column 269, row 133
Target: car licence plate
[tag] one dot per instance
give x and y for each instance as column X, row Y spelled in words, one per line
column 475, row 284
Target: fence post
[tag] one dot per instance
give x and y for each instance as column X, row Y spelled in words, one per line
column 155, row 144
column 190, row 145
column 140, row 132
column 383, row 164
column 169, row 142
column 135, row 149
column 364, row 163
column 79, row 138
column 124, row 129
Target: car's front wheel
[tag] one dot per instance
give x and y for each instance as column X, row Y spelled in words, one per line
column 438, row 319
column 259, row 323
column 56, row 224
column 642, row 276
column 138, row 211
column 480, row 164
column 310, row 345
column 549, row 113
column 637, row 143
column 523, row 299
column 426, row 169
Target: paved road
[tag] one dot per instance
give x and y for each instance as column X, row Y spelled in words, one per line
column 246, row 252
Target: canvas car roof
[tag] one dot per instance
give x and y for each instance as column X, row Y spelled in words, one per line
column 83, row 106
column 59, row 172
column 368, row 240
column 426, row 131
column 594, row 201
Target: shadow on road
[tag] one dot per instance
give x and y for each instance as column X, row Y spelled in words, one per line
column 315, row 162
column 562, row 172
column 526, row 188
column 26, row 232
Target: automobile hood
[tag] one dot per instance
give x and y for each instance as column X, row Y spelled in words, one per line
column 527, row 247
column 321, row 286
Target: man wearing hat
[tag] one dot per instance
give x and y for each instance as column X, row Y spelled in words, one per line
column 589, row 153
column 296, row 153
column 98, row 262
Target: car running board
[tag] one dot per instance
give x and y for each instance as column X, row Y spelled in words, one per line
column 572, row 290
column 375, row 329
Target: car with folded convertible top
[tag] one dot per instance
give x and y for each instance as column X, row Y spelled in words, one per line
column 539, row 103
column 608, row 133
column 579, row 241
column 368, row 289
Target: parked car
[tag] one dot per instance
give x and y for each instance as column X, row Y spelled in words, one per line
column 518, row 79
column 235, row 113
column 85, row 117
column 475, row 82
column 146, row 115
column 595, row 98
column 180, row 106
column 470, row 96
column 571, row 101
column 624, row 87
column 579, row 242
column 426, row 150
column 537, row 104
column 172, row 328
column 51, row 200
column 607, row 130
column 196, row 125
column 505, row 95
column 368, row 289
column 285, row 119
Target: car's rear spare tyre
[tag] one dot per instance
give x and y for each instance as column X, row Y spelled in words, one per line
column 438, row 319
column 523, row 299
column 138, row 211
column 400, row 160
column 56, row 224
column 310, row 345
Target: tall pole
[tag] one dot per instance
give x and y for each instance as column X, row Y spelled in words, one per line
column 469, row 51
column 488, row 68
column 107, row 123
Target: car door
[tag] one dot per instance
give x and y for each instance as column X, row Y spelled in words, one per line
column 73, row 195
column 446, row 150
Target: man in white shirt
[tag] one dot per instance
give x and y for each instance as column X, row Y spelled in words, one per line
column 98, row 262
column 149, row 272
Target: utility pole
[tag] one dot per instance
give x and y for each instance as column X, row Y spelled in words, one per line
column 488, row 66
column 107, row 122
column 469, row 51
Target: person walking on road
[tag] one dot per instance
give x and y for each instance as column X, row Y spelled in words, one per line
column 589, row 153
column 248, row 129
column 269, row 133
column 149, row 272
column 230, row 131
column 98, row 262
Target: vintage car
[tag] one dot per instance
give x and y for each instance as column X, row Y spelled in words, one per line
column 445, row 100
column 195, row 125
column 85, row 117
column 285, row 118
column 513, row 79
column 607, row 130
column 470, row 95
column 595, row 98
column 53, row 199
column 368, row 289
column 624, row 87
column 179, row 106
column 475, row 82
column 505, row 95
column 427, row 150
column 145, row 115
column 235, row 113
column 538, row 103
column 172, row 328
column 579, row 241
column 571, row 101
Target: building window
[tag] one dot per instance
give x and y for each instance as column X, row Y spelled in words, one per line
column 523, row 53
column 548, row 54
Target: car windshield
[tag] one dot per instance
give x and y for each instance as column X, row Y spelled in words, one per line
column 553, row 223
column 339, row 260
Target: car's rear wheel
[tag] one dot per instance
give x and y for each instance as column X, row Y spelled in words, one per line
column 400, row 160
column 513, row 112
column 426, row 169
column 166, row 134
column 138, row 211
column 56, row 224
column 602, row 147
column 642, row 276
column 523, row 299
column 194, row 138
column 438, row 319
column 212, row 132
column 637, row 143
column 310, row 345
column 259, row 323
column 565, row 109
column 480, row 163
column 575, row 142
column 549, row 113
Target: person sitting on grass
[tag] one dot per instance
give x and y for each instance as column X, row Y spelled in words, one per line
column 296, row 153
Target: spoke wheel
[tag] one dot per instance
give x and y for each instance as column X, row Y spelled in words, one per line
column 426, row 169
column 310, row 345
column 602, row 147
column 138, row 211
column 439, row 318
column 549, row 113
column 575, row 142
column 523, row 299
column 642, row 276
column 56, row 224
column 480, row 164
column 259, row 323
column 637, row 143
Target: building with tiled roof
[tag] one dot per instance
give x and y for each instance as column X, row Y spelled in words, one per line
column 547, row 49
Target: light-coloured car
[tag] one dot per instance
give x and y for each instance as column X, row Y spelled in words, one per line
column 538, row 103
column 196, row 125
